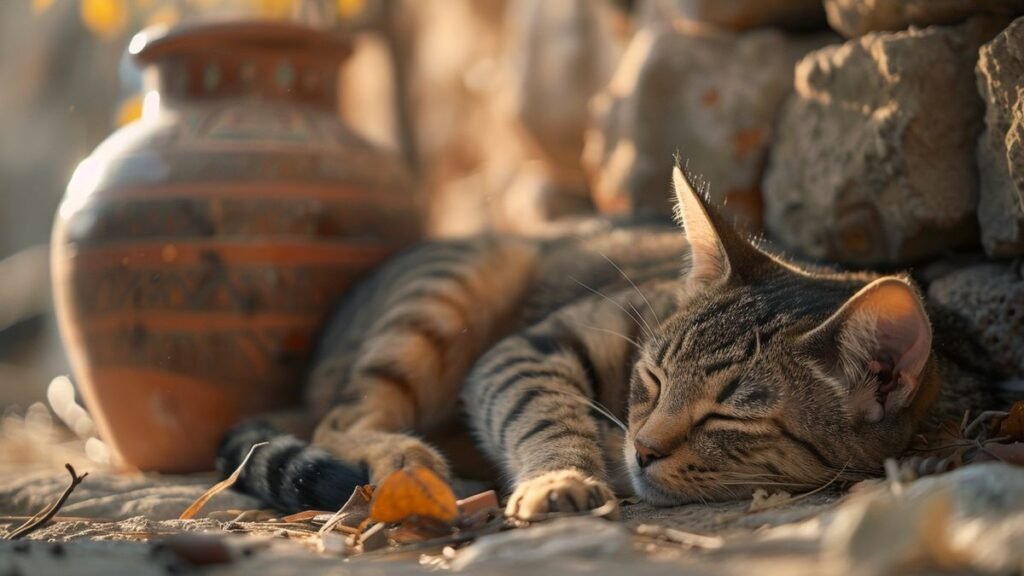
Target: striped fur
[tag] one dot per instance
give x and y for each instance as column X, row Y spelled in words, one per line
column 732, row 368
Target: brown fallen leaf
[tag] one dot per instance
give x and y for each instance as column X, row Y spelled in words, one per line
column 478, row 509
column 219, row 487
column 1009, row 453
column 413, row 492
column 1012, row 426
column 304, row 516
column 352, row 514
column 418, row 529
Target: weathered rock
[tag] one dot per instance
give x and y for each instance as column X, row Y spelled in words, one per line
column 854, row 18
column 738, row 14
column 713, row 96
column 967, row 521
column 874, row 159
column 1001, row 148
column 990, row 299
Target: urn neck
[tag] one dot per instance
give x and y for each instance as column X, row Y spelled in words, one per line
column 244, row 60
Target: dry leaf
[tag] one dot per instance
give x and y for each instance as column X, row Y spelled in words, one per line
column 304, row 516
column 763, row 501
column 219, row 486
column 1013, row 424
column 478, row 503
column 413, row 492
column 353, row 513
column 1009, row 453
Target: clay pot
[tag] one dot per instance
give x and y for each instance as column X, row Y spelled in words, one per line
column 197, row 250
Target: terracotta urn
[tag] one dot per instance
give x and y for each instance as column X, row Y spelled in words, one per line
column 198, row 249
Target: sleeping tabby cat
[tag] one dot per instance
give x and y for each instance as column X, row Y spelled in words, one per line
column 733, row 368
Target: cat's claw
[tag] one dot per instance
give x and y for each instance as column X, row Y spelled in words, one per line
column 563, row 491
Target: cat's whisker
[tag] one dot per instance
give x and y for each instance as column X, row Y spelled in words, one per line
column 755, row 484
column 605, row 412
column 723, row 488
column 738, row 474
column 644, row 326
column 635, row 287
column 695, row 486
column 600, row 408
column 611, row 332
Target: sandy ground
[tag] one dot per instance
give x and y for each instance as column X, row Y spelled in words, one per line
column 962, row 522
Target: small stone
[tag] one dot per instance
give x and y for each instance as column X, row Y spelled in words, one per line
column 854, row 18
column 990, row 299
column 334, row 543
column 874, row 159
column 971, row 519
column 1000, row 73
column 197, row 549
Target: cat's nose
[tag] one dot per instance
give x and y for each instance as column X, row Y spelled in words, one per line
column 646, row 454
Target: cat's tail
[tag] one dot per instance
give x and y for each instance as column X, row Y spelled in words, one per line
column 287, row 473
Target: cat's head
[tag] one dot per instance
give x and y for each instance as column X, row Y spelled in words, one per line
column 770, row 375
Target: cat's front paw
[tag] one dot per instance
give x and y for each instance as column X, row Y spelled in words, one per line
column 561, row 491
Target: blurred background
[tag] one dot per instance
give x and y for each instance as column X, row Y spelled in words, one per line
column 858, row 133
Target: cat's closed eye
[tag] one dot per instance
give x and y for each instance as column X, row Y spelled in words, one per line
column 652, row 379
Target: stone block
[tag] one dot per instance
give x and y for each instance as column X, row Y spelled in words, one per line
column 989, row 297
column 1000, row 74
column 874, row 157
column 853, row 18
column 712, row 96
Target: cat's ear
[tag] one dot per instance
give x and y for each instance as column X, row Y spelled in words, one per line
column 709, row 261
column 880, row 341
column 717, row 251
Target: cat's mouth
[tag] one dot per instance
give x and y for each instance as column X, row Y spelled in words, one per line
column 648, row 489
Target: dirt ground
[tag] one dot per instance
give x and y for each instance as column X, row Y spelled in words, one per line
column 966, row 521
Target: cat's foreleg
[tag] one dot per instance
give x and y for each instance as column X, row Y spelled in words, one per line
column 530, row 402
column 434, row 316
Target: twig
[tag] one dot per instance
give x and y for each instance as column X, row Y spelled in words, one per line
column 43, row 517
column 219, row 487
column 983, row 418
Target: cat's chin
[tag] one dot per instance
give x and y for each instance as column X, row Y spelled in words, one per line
column 655, row 495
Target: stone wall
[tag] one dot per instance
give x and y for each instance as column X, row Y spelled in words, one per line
column 898, row 147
